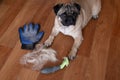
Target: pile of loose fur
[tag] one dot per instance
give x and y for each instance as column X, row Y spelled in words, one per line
column 39, row 57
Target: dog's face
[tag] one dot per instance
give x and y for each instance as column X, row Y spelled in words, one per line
column 67, row 13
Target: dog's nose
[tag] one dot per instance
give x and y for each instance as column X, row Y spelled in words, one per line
column 70, row 21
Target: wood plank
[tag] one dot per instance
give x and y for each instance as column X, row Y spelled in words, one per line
column 3, row 9
column 4, row 54
column 77, row 69
column 113, row 62
column 8, row 14
column 24, row 16
column 101, row 42
column 11, row 68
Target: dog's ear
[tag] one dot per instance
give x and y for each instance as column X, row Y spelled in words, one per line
column 57, row 8
column 77, row 6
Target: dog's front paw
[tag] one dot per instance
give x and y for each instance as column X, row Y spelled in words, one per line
column 72, row 56
column 48, row 43
column 95, row 17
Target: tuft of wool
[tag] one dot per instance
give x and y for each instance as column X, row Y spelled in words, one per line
column 39, row 57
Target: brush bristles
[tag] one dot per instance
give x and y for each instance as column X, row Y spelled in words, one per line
column 39, row 57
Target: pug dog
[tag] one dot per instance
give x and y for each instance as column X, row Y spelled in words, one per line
column 71, row 18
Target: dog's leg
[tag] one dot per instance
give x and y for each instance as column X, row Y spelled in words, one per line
column 95, row 17
column 75, row 47
column 54, row 33
column 96, row 9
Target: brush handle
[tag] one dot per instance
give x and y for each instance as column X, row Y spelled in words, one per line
column 50, row 70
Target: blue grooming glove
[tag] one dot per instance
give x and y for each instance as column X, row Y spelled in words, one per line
column 30, row 35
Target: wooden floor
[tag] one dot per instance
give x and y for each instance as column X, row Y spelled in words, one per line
column 98, row 57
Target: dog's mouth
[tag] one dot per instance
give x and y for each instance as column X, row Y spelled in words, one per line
column 68, row 20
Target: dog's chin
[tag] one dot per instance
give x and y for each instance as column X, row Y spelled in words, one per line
column 68, row 22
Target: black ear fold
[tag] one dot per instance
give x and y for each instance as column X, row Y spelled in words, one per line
column 77, row 6
column 57, row 8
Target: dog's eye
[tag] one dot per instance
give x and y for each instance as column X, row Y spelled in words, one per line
column 64, row 15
